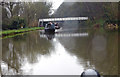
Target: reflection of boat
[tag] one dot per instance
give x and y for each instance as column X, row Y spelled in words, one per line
column 50, row 35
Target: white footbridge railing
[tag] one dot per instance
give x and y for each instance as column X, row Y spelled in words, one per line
column 41, row 21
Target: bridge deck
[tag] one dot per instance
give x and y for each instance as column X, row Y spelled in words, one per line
column 63, row 19
column 41, row 21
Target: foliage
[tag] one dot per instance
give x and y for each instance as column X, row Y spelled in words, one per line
column 30, row 11
column 111, row 10
column 17, row 22
column 93, row 9
column 97, row 12
column 14, row 23
column 5, row 25
column 34, row 11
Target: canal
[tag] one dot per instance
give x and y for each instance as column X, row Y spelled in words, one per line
column 67, row 52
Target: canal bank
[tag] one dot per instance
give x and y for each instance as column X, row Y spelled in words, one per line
column 12, row 33
column 101, row 23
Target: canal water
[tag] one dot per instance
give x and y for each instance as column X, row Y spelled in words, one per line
column 67, row 52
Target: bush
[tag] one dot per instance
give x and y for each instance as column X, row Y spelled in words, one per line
column 112, row 21
column 14, row 23
column 17, row 22
column 5, row 24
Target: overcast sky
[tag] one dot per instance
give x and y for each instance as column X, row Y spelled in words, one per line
column 56, row 3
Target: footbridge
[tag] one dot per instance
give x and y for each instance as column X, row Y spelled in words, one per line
column 43, row 21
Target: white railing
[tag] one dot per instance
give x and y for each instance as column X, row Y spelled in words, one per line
column 63, row 19
column 60, row 19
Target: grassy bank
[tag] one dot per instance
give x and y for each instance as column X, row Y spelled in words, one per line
column 12, row 32
column 92, row 24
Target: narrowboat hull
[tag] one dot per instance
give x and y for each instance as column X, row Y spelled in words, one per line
column 49, row 30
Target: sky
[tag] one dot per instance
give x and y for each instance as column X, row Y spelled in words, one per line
column 56, row 3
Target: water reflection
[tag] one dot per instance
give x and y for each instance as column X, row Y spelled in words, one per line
column 49, row 36
column 96, row 51
column 52, row 35
column 59, row 63
column 0, row 55
column 60, row 53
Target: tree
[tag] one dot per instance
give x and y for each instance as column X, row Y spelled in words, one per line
column 30, row 11
column 111, row 10
column 9, row 6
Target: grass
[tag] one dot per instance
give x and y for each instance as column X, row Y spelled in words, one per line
column 97, row 21
column 9, row 36
column 10, row 32
column 100, row 21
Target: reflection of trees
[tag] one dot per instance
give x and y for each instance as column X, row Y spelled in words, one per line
column 77, row 46
column 104, row 60
column 0, row 55
column 16, row 49
column 9, row 56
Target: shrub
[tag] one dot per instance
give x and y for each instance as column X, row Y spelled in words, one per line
column 5, row 24
column 17, row 22
column 14, row 23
